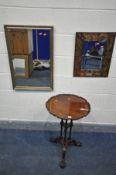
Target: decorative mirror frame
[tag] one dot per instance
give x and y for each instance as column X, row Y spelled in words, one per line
column 7, row 28
column 108, row 48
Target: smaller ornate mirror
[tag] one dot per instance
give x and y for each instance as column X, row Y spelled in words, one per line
column 30, row 50
column 93, row 53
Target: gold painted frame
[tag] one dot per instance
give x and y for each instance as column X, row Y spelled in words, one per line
column 23, row 28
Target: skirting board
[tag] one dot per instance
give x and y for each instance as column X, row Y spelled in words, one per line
column 55, row 126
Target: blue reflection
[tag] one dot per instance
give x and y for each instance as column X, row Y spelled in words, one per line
column 93, row 52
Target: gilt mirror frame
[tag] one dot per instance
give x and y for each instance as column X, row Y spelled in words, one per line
column 93, row 52
column 37, row 73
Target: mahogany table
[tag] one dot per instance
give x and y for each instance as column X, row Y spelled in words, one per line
column 67, row 107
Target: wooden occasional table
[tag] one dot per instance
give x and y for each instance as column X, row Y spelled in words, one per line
column 67, row 107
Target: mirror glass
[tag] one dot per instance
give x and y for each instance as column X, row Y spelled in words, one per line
column 19, row 67
column 93, row 52
column 30, row 51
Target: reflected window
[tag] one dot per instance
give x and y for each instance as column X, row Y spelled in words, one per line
column 19, row 66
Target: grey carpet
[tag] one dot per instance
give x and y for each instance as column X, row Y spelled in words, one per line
column 24, row 152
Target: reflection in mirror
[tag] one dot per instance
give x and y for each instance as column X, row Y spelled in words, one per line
column 93, row 52
column 31, row 56
column 19, row 66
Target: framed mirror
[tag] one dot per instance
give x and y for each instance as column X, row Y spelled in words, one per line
column 93, row 53
column 30, row 50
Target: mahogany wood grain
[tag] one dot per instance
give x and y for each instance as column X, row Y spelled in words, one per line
column 68, row 106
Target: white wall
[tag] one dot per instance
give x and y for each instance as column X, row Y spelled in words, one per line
column 67, row 17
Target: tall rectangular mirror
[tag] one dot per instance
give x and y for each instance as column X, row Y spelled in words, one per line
column 30, row 50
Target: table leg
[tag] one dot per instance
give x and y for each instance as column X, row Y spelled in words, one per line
column 70, row 131
column 62, row 162
column 61, row 126
column 58, row 139
column 64, row 140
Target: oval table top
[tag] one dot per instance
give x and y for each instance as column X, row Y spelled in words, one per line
column 68, row 106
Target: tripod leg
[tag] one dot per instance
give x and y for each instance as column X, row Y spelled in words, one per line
column 61, row 127
column 59, row 138
column 62, row 162
column 70, row 131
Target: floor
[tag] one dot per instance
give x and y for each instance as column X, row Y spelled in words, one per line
column 25, row 152
column 38, row 78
